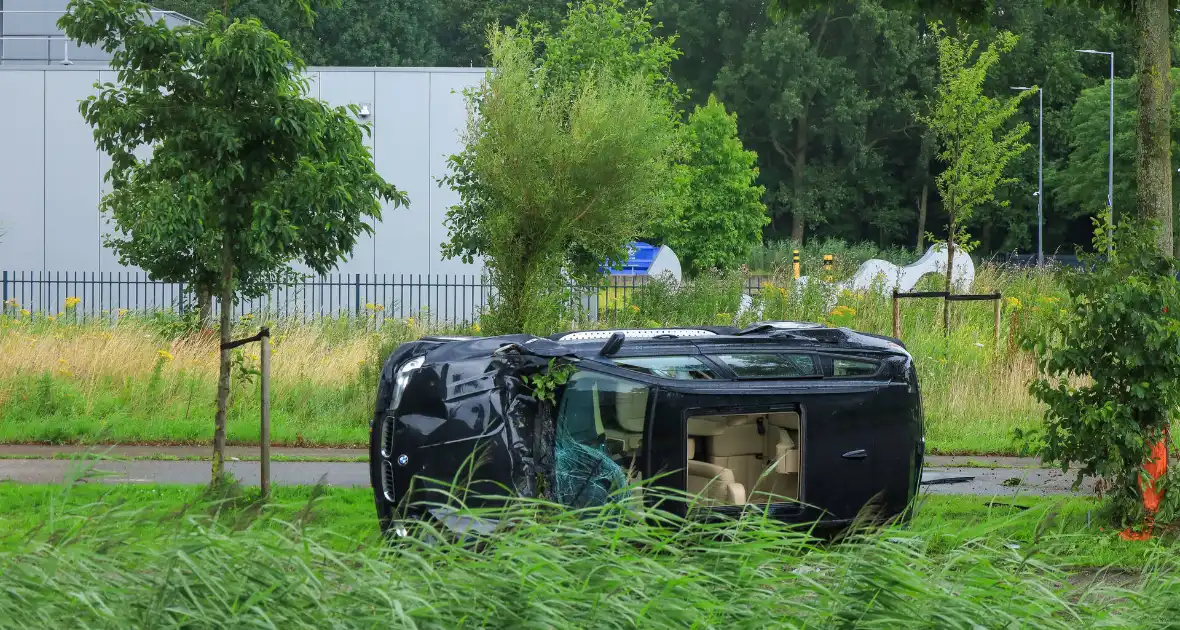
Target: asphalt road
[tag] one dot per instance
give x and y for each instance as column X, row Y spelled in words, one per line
column 182, row 472
column 945, row 480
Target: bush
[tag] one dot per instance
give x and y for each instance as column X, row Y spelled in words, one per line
column 1110, row 366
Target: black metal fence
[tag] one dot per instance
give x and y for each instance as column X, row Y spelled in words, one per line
column 437, row 299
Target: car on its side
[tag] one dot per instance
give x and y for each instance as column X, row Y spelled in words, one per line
column 809, row 424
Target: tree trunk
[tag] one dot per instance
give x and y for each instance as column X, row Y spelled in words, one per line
column 798, row 176
column 922, row 217
column 227, row 303
column 204, row 307
column 950, row 268
column 797, row 226
column 1154, row 163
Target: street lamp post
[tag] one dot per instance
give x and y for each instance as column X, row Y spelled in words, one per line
column 1110, row 167
column 1040, row 173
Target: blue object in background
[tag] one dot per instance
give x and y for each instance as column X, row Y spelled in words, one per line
column 639, row 262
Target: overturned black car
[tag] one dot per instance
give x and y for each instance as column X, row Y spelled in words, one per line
column 808, row 423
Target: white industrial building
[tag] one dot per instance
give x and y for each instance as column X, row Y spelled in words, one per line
column 51, row 173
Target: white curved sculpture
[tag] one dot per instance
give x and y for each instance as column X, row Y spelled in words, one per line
column 890, row 277
column 905, row 278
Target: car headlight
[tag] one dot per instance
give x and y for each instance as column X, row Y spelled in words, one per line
column 403, row 377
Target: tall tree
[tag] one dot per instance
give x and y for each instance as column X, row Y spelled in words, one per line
column 966, row 123
column 1153, row 166
column 810, row 90
column 724, row 215
column 1151, row 21
column 608, row 38
column 555, row 178
column 344, row 32
column 247, row 172
column 1081, row 182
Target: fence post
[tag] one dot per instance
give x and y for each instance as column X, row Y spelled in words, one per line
column 5, row 300
column 357, row 311
column 264, row 432
column 896, row 315
column 999, row 303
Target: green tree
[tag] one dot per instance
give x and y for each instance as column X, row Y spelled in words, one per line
column 604, row 36
column 966, row 123
column 1152, row 27
column 1111, row 373
column 1081, row 182
column 1046, row 56
column 344, row 32
column 809, row 90
column 463, row 29
column 247, row 173
column 724, row 214
column 554, row 179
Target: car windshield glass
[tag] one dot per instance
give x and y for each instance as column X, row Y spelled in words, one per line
column 778, row 365
column 600, row 423
column 852, row 367
column 679, row 368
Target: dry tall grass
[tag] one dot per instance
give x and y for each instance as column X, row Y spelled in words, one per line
column 132, row 380
column 133, row 350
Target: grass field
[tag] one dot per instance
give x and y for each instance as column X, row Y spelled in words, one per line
column 156, row 556
column 136, row 381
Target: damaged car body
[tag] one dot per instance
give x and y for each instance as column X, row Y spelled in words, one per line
column 808, row 424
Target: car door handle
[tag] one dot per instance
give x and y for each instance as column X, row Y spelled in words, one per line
column 859, row 453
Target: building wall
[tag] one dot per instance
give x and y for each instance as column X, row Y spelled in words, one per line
column 29, row 35
column 51, row 173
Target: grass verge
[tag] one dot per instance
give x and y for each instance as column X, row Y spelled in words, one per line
column 151, row 556
column 137, row 380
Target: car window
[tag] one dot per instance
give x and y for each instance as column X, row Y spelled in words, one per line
column 853, row 367
column 767, row 365
column 679, row 368
column 595, row 406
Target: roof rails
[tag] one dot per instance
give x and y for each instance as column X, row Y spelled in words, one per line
column 762, row 327
column 637, row 333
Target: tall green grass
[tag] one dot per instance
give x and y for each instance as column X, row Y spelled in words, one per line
column 777, row 255
column 218, row 562
column 140, row 380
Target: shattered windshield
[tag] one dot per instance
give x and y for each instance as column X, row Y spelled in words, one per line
column 599, row 427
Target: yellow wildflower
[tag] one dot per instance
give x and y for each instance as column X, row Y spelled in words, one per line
column 164, row 354
column 1012, row 302
column 635, row 307
column 409, row 321
column 73, row 301
column 52, row 318
column 122, row 312
column 11, row 303
column 476, row 327
column 25, row 312
column 247, row 317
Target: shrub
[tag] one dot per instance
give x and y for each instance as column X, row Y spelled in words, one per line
column 1109, row 363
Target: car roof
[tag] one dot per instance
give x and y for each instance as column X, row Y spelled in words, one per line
column 706, row 339
column 767, row 336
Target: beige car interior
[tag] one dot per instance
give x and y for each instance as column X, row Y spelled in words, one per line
column 744, row 458
column 732, row 459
